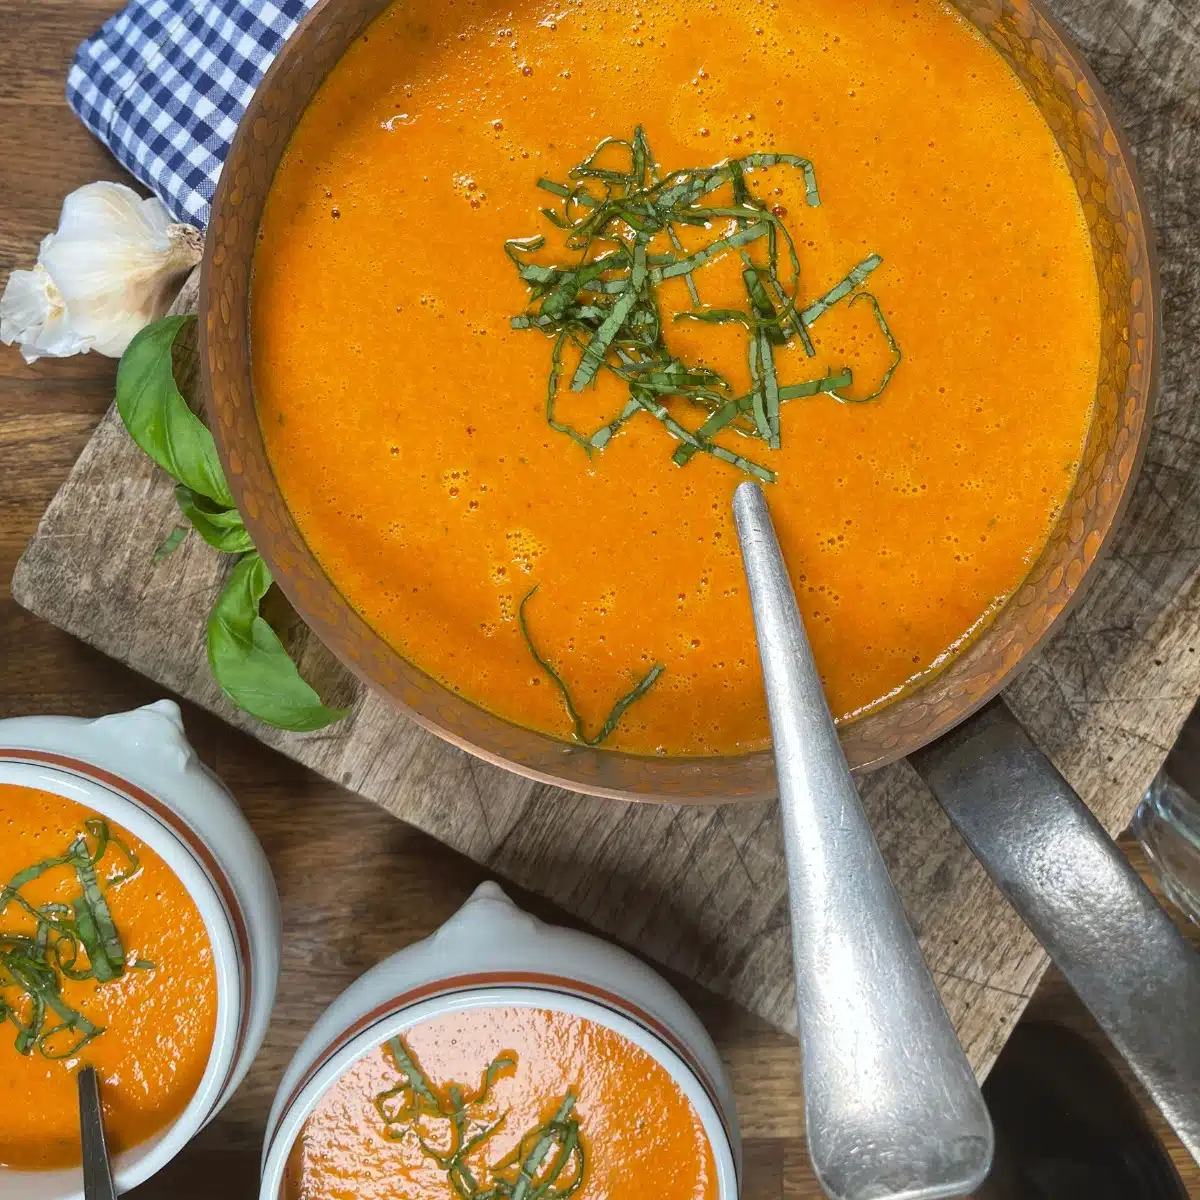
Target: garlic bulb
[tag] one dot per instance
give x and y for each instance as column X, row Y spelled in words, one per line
column 113, row 266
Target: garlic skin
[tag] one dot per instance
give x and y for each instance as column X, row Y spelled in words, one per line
column 113, row 266
column 32, row 312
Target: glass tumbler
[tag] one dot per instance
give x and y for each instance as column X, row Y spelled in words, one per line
column 1167, row 824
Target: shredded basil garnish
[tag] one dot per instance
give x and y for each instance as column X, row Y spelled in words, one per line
column 618, row 709
column 891, row 341
column 32, row 966
column 548, row 1163
column 621, row 226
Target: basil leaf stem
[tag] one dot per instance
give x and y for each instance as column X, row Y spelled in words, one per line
column 170, row 543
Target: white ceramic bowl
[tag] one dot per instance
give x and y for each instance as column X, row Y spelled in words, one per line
column 488, row 954
column 138, row 770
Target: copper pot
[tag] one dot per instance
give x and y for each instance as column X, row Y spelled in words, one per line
column 1069, row 97
column 1037, row 839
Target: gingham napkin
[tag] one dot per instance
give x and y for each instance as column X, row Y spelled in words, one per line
column 164, row 83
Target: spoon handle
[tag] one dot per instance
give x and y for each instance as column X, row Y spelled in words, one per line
column 97, row 1170
column 1079, row 894
column 891, row 1104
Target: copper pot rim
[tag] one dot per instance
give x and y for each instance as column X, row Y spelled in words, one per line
column 717, row 770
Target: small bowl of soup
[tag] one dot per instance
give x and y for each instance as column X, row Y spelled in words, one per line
column 139, row 935
column 505, row 1057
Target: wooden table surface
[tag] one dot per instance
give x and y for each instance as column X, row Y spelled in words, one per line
column 354, row 883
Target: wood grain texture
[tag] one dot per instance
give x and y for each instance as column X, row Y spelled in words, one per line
column 702, row 889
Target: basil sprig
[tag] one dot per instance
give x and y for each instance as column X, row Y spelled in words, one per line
column 246, row 656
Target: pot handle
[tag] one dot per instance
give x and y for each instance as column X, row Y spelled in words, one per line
column 1067, row 880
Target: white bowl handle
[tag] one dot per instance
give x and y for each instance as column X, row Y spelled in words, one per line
column 153, row 733
column 488, row 918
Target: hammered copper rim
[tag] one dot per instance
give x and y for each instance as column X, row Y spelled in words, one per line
column 1077, row 112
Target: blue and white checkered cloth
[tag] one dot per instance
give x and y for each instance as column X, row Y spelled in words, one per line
column 165, row 82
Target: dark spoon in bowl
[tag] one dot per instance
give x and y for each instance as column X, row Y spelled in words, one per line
column 97, row 1169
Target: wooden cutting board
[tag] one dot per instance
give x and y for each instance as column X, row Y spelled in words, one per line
column 702, row 890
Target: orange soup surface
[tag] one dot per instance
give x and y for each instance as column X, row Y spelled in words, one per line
column 152, row 1025
column 614, row 1121
column 405, row 418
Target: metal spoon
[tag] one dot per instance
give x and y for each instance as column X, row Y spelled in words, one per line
column 891, row 1104
column 97, row 1169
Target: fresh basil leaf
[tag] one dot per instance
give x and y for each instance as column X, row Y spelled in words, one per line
column 249, row 662
column 158, row 417
column 220, row 527
column 104, row 968
column 170, row 543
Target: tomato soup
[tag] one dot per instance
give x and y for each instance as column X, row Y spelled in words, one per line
column 406, row 415
column 104, row 962
column 461, row 1104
